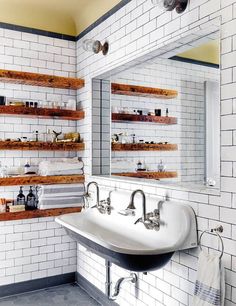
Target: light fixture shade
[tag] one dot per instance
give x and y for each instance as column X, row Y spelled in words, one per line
column 87, row 44
column 95, row 46
column 170, row 5
column 92, row 45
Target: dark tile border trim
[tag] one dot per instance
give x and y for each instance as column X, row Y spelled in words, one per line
column 18, row 28
column 93, row 291
column 103, row 18
column 192, row 61
column 37, row 284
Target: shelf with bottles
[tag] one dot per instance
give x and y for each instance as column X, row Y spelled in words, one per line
column 41, row 112
column 162, row 120
column 22, row 180
column 144, row 147
column 154, row 175
column 41, row 146
column 143, row 91
column 37, row 79
column 21, row 215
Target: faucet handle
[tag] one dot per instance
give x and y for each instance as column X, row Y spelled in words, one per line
column 138, row 220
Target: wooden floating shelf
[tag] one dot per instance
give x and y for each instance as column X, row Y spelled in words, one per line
column 22, row 111
column 37, row 79
column 141, row 91
column 148, row 174
column 41, row 146
column 38, row 180
column 144, row 118
column 8, row 216
column 143, row 147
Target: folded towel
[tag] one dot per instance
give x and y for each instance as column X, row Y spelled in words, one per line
column 67, row 201
column 47, row 172
column 60, row 186
column 61, row 190
column 60, row 165
column 59, row 206
column 210, row 284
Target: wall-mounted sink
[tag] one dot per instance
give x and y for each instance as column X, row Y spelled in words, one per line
column 132, row 246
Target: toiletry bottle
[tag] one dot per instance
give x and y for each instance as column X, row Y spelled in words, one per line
column 167, row 112
column 161, row 167
column 49, row 136
column 31, row 200
column 26, row 167
column 139, row 166
column 3, row 170
column 37, row 136
column 20, row 200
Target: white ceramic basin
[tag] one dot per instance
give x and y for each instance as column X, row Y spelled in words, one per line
column 131, row 246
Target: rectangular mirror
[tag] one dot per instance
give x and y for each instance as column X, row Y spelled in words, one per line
column 158, row 118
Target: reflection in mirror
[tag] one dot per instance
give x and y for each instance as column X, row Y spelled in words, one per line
column 162, row 116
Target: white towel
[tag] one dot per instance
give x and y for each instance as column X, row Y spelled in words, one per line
column 67, row 201
column 210, row 284
column 60, row 167
column 59, row 206
column 61, row 190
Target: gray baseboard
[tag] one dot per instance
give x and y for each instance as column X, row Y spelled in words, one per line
column 36, row 284
column 93, row 291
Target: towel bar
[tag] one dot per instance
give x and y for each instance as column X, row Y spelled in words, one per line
column 214, row 231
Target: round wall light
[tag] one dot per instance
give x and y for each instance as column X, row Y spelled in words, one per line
column 96, row 46
column 169, row 5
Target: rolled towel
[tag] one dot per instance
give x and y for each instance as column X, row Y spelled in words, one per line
column 210, row 284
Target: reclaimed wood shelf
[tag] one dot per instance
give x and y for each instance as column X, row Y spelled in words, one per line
column 144, row 118
column 149, row 174
column 141, row 91
column 38, row 180
column 37, row 79
column 143, row 147
column 8, row 216
column 22, row 111
column 41, row 146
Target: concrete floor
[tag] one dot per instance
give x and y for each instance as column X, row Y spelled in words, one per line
column 65, row 295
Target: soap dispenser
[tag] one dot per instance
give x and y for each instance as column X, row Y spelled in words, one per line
column 31, row 200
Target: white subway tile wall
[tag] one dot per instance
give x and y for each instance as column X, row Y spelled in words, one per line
column 34, row 248
column 135, row 30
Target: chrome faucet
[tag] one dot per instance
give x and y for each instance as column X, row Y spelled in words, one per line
column 87, row 194
column 104, row 206
column 150, row 220
column 131, row 203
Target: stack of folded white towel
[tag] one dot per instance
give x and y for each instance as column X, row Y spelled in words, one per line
column 60, row 196
column 63, row 166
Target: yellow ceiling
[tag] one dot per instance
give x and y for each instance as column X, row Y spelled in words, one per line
column 61, row 16
column 209, row 52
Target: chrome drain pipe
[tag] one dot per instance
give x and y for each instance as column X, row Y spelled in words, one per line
column 133, row 278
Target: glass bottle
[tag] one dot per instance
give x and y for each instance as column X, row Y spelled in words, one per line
column 31, row 200
column 26, row 167
column 20, row 200
column 3, row 170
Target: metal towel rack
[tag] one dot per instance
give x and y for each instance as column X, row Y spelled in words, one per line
column 214, row 231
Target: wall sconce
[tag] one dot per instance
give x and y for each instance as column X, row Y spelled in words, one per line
column 96, row 46
column 169, row 5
